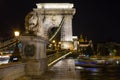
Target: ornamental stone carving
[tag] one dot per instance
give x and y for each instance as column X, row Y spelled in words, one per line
column 33, row 24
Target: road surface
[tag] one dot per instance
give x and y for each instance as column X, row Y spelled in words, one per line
column 63, row 70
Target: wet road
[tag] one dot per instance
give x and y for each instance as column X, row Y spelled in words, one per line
column 100, row 74
column 63, row 70
column 66, row 70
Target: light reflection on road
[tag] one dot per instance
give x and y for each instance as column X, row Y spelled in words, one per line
column 64, row 70
column 112, row 73
column 4, row 59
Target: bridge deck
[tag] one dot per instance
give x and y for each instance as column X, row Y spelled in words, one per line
column 62, row 70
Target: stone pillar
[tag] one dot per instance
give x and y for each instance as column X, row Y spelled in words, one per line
column 66, row 33
column 66, row 30
column 34, row 55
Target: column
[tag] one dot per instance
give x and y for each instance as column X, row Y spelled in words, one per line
column 66, row 33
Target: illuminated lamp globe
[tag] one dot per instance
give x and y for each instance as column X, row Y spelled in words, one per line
column 16, row 33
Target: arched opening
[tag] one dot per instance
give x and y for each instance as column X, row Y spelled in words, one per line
column 52, row 31
column 56, row 39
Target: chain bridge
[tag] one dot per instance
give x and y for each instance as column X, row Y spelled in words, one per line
column 38, row 52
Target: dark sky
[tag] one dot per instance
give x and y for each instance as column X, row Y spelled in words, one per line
column 96, row 19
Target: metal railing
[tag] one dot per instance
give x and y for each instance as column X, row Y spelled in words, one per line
column 7, row 44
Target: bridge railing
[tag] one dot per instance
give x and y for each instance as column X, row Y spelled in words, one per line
column 7, row 44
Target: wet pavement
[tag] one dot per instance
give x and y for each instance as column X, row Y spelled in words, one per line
column 66, row 70
column 63, row 70
column 100, row 73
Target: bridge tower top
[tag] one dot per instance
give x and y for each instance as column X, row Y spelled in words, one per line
column 55, row 8
column 54, row 5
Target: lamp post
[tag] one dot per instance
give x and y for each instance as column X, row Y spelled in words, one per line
column 16, row 55
column 17, row 34
column 54, row 44
column 59, row 45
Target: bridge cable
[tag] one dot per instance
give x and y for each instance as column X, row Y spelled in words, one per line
column 60, row 26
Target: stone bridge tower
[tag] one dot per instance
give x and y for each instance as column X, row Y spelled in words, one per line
column 37, row 24
column 51, row 15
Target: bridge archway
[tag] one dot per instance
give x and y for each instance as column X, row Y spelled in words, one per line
column 55, row 15
column 51, row 31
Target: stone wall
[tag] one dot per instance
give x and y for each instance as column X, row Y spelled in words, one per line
column 12, row 71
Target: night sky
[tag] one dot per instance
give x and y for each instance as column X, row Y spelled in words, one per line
column 98, row 20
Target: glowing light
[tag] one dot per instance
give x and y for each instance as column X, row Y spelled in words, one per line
column 53, row 41
column 55, row 5
column 4, row 59
column 75, row 37
column 84, row 45
column 59, row 43
column 117, row 62
column 17, row 33
column 78, row 67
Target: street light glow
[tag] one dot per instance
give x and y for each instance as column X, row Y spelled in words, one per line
column 16, row 33
column 59, row 43
column 53, row 41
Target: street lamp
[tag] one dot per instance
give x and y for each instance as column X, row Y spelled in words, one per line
column 16, row 33
column 16, row 55
column 54, row 44
column 59, row 45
